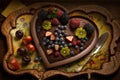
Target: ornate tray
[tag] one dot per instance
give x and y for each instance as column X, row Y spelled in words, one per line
column 106, row 61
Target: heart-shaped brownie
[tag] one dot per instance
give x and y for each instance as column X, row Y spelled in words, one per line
column 61, row 38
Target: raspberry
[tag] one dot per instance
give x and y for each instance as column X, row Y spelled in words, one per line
column 55, row 21
column 74, row 23
column 59, row 13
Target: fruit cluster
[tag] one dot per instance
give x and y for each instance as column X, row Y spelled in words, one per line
column 57, row 40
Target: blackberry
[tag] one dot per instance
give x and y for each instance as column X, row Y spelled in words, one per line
column 26, row 59
column 42, row 14
column 89, row 29
column 64, row 19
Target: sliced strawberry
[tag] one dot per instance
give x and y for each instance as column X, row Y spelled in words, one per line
column 48, row 33
column 70, row 38
column 49, row 51
column 27, row 39
column 55, row 21
column 52, row 37
column 59, row 13
column 13, row 64
column 30, row 47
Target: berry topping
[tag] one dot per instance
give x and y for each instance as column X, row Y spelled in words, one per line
column 55, row 22
column 21, row 51
column 74, row 23
column 13, row 64
column 59, row 13
column 46, row 25
column 74, row 43
column 78, row 42
column 80, row 33
column 26, row 59
column 56, row 54
column 64, row 19
column 27, row 39
column 89, row 29
column 19, row 34
column 57, row 47
column 72, row 53
column 65, row 51
column 48, row 33
column 49, row 51
column 70, row 38
column 30, row 47
column 42, row 14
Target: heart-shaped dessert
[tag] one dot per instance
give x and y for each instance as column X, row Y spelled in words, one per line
column 61, row 38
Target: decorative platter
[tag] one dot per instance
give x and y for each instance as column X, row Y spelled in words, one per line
column 47, row 39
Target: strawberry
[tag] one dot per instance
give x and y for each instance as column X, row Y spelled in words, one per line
column 52, row 37
column 55, row 21
column 74, row 23
column 13, row 64
column 48, row 33
column 74, row 42
column 49, row 51
column 59, row 13
column 70, row 38
column 78, row 42
column 27, row 39
column 30, row 47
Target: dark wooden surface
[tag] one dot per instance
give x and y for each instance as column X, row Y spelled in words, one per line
column 111, row 5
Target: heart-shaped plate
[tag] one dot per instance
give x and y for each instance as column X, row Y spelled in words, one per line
column 61, row 38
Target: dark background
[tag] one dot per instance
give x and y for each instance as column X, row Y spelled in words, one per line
column 112, row 6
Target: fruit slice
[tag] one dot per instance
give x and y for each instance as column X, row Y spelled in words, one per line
column 70, row 38
column 48, row 33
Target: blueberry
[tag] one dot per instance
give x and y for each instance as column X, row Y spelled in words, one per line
column 62, row 32
column 82, row 44
column 44, row 38
column 72, row 53
column 36, row 59
column 69, row 44
column 56, row 33
column 66, row 34
column 61, row 46
column 81, row 48
column 64, row 45
column 40, row 58
column 52, row 45
column 56, row 42
column 64, row 19
column 57, row 39
column 47, row 40
column 63, row 42
column 61, row 38
column 59, row 27
column 83, row 40
column 49, row 46
column 76, row 46
column 44, row 43
column 60, row 35
column 50, row 42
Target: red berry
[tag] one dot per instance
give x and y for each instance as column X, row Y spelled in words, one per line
column 78, row 42
column 55, row 21
column 59, row 13
column 30, row 47
column 56, row 54
column 27, row 39
column 74, row 42
column 74, row 23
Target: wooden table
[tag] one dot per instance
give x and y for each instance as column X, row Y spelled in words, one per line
column 111, row 5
